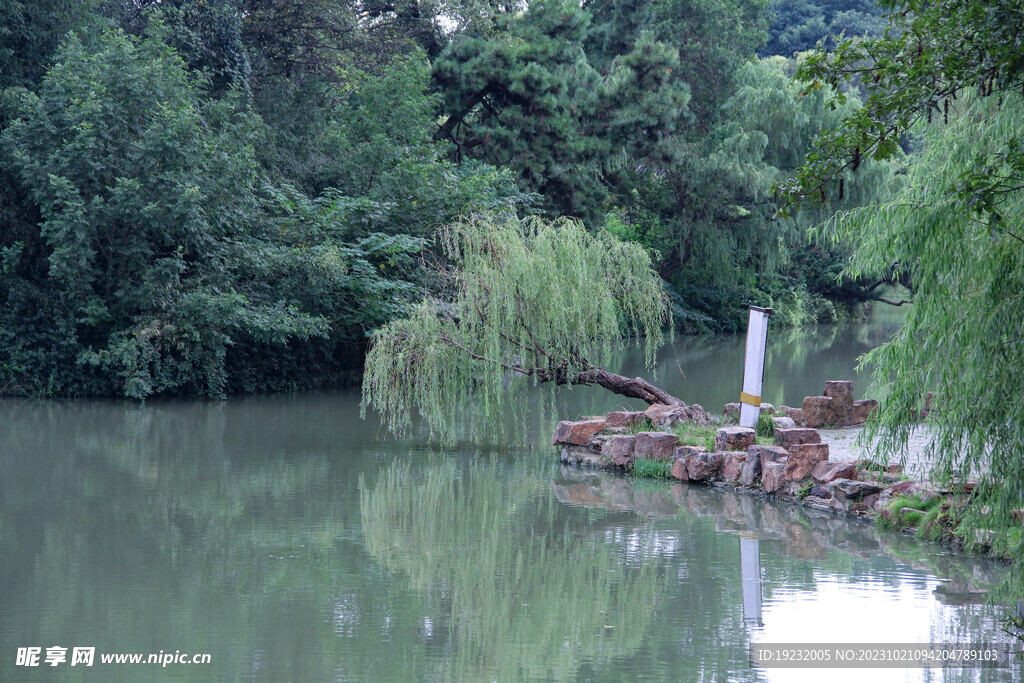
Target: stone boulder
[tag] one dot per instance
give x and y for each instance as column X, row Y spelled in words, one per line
column 624, row 418
column 803, row 458
column 825, row 472
column 846, row 490
column 795, row 414
column 799, row 435
column 862, row 410
column 817, row 411
column 750, row 472
column 581, row 455
column 576, row 433
column 619, row 449
column 783, row 423
column 732, row 465
column 679, row 459
column 655, row 445
column 734, row 438
column 767, row 454
column 703, row 466
column 773, row 474
column 841, row 393
column 679, row 469
column 665, row 416
column 684, row 452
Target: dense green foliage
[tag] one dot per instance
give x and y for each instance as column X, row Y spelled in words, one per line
column 537, row 299
column 962, row 338
column 161, row 240
column 798, row 25
column 951, row 79
column 210, row 197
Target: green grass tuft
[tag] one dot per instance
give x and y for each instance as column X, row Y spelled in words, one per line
column 653, row 469
column 765, row 425
column 907, row 511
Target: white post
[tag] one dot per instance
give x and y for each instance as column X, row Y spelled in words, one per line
column 753, row 366
column 750, row 571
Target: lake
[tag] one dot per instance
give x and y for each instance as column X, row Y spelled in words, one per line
column 292, row 541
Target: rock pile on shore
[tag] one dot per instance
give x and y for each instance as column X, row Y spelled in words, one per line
column 796, row 466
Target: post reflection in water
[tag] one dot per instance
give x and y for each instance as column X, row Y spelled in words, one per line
column 750, row 569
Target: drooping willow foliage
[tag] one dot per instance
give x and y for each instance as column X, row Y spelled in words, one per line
column 956, row 226
column 529, row 299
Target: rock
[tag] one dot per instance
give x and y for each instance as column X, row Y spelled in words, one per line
column 783, row 423
column 844, row 490
column 818, row 502
column 581, row 455
column 684, row 452
column 679, row 470
column 576, row 433
column 820, row 492
column 817, row 411
column 841, row 393
column 619, row 449
column 767, row 454
column 825, row 472
column 870, row 501
column 792, row 437
column 665, row 416
column 803, row 458
column 703, row 466
column 732, row 465
column 750, row 472
column 734, row 438
column 795, row 414
column 624, row 418
column 655, row 445
column 862, row 410
column 768, row 408
column 772, row 476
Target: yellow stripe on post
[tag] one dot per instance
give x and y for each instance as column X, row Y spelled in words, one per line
column 750, row 399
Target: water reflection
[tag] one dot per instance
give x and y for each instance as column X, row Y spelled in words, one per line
column 525, row 594
column 811, row 577
column 750, row 570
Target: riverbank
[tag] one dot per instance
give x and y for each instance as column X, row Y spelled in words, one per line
column 783, row 458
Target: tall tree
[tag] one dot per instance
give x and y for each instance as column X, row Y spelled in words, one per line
column 951, row 76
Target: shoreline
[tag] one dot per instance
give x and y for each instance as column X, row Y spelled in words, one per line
column 663, row 443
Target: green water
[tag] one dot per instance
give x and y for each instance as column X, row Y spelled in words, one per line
column 293, row 541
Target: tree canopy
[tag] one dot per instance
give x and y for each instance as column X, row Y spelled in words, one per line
column 947, row 85
column 211, row 197
column 541, row 300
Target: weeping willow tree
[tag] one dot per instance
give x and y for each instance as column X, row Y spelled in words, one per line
column 538, row 300
column 955, row 228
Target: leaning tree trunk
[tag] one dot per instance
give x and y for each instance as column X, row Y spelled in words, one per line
column 638, row 387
